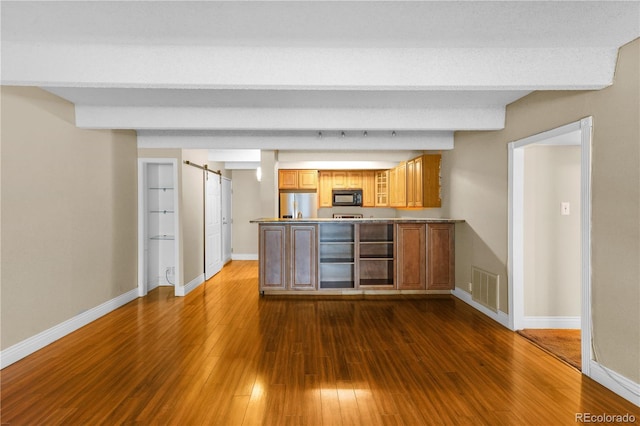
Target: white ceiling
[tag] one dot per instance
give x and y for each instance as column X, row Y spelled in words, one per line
column 271, row 75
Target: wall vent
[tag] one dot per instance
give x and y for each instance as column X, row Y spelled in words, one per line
column 484, row 288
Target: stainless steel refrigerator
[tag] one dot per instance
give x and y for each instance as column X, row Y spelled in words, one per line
column 298, row 205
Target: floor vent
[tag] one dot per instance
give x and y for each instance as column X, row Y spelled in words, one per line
column 484, row 288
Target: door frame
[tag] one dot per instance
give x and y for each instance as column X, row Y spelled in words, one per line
column 143, row 164
column 515, row 264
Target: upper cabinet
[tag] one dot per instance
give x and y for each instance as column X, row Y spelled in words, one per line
column 368, row 189
column 325, row 186
column 382, row 188
column 346, row 179
column 297, row 179
column 423, row 181
column 398, row 185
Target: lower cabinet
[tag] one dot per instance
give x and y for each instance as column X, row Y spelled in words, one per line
column 302, row 250
column 288, row 257
column 411, row 259
column 273, row 257
column 349, row 256
column 440, row 256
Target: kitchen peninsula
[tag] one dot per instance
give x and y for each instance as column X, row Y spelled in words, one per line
column 356, row 256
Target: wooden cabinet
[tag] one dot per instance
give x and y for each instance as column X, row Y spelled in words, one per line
column 440, row 256
column 376, row 254
column 307, row 179
column 287, row 258
column 411, row 258
column 297, row 179
column 272, row 255
column 423, row 181
column 368, row 189
column 354, row 180
column 325, row 186
column 302, row 250
column 382, row 188
column 398, row 185
column 339, row 179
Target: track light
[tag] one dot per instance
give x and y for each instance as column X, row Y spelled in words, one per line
column 393, row 133
column 342, row 134
column 320, row 135
column 364, row 133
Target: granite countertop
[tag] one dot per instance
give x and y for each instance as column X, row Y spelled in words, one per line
column 358, row 220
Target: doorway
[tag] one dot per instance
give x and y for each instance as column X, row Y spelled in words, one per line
column 520, row 228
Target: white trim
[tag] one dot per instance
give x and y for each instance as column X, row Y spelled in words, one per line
column 615, row 382
column 515, row 241
column 586, row 125
column 190, row 286
column 34, row 343
column 551, row 322
column 246, row 256
column 500, row 317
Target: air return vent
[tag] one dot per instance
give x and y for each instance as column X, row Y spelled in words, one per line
column 484, row 288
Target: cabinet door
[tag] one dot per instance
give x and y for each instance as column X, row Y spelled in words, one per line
column 418, row 196
column 304, row 260
column 411, row 256
column 411, row 187
column 324, row 190
column 354, row 180
column 287, row 179
column 307, row 179
column 398, row 181
column 431, row 180
column 339, row 179
column 368, row 189
column 440, row 256
column 272, row 257
column 382, row 188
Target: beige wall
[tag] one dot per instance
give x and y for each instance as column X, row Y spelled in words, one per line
column 477, row 170
column 245, row 207
column 69, row 214
column 552, row 240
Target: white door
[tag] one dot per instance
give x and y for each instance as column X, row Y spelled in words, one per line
column 213, row 226
column 226, row 220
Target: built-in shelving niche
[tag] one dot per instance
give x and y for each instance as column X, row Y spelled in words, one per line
column 160, row 229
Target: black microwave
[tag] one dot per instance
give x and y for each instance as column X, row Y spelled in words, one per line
column 347, row 197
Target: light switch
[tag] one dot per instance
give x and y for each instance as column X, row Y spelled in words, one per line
column 565, row 208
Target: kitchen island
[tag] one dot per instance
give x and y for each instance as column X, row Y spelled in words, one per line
column 356, row 256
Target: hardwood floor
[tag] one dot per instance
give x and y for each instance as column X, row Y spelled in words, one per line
column 222, row 355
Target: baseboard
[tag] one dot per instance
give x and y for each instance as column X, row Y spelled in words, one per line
column 190, row 286
column 552, row 322
column 244, row 256
column 32, row 344
column 615, row 382
column 500, row 317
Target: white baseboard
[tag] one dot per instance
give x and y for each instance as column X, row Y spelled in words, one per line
column 32, row 344
column 500, row 317
column 190, row 286
column 615, row 382
column 244, row 256
column 552, row 322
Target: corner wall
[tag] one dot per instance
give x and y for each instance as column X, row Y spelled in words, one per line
column 477, row 185
column 69, row 214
